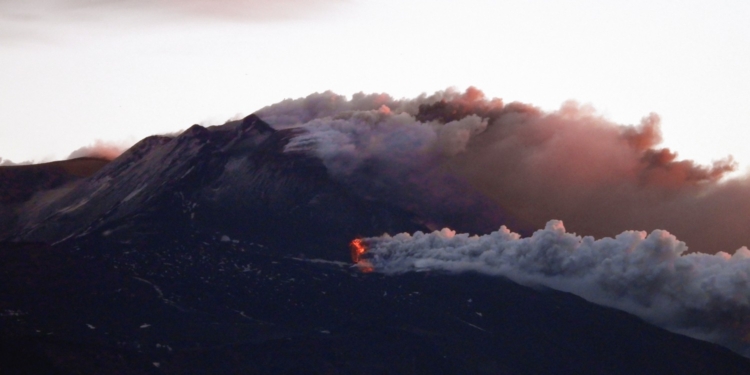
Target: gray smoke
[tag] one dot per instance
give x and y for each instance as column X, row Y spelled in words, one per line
column 649, row 275
column 375, row 146
column 522, row 165
column 488, row 163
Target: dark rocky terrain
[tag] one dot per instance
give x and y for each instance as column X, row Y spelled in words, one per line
column 20, row 182
column 233, row 178
column 215, row 252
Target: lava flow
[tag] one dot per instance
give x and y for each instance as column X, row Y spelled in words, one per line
column 358, row 250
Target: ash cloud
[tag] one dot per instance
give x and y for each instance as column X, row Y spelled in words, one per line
column 449, row 150
column 386, row 154
column 470, row 163
column 649, row 275
column 99, row 149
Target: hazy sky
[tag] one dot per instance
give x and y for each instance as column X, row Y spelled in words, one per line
column 76, row 71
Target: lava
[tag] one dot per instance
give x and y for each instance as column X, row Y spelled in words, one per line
column 358, row 250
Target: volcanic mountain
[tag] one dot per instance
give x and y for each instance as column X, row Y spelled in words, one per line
column 19, row 182
column 223, row 250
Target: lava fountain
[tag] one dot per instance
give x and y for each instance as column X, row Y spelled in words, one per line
column 358, row 250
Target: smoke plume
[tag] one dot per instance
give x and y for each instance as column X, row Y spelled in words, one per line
column 514, row 164
column 701, row 295
column 100, row 149
column 467, row 162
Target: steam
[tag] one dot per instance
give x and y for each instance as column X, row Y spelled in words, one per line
column 472, row 163
column 651, row 276
column 100, row 149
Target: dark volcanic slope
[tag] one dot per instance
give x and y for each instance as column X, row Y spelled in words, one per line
column 18, row 183
column 234, row 178
column 215, row 252
column 206, row 306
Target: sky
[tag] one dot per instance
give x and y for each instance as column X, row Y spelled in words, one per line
column 77, row 72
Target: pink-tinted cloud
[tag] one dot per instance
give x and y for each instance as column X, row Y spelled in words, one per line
column 100, row 149
column 603, row 179
column 599, row 177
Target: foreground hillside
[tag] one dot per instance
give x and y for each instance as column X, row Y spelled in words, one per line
column 205, row 306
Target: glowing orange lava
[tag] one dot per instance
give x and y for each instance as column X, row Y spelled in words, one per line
column 359, row 249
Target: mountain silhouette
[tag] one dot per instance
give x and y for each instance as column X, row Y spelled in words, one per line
column 219, row 251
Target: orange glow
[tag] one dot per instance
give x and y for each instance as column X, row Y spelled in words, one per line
column 359, row 249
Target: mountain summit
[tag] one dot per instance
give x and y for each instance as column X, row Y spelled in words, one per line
column 234, row 178
column 224, row 250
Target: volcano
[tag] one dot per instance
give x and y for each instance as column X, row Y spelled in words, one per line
column 222, row 250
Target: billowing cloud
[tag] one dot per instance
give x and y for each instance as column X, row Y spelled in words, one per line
column 447, row 151
column 100, row 149
column 470, row 163
column 649, row 275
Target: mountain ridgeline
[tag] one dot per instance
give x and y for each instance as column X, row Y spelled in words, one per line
column 224, row 251
column 235, row 179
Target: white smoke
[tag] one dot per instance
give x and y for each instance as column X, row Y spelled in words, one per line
column 466, row 162
column 651, row 276
column 389, row 154
column 516, row 165
column 295, row 112
column 346, row 141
